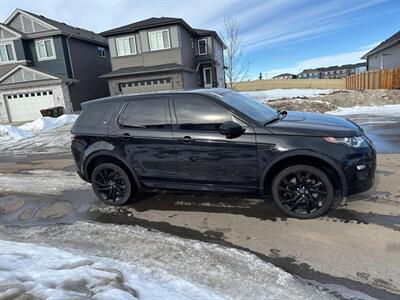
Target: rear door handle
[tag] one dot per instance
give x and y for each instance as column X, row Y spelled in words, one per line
column 186, row 140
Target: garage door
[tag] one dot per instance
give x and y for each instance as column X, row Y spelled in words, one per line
column 27, row 106
column 145, row 86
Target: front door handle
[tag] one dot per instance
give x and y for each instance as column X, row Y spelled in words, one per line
column 186, row 140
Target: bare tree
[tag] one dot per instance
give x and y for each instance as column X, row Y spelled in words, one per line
column 237, row 64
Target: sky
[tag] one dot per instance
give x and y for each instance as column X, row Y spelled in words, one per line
column 278, row 36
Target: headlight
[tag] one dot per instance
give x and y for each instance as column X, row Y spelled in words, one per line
column 354, row 141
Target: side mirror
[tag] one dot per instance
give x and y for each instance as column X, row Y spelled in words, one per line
column 231, row 129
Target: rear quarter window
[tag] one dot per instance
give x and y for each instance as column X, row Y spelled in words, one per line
column 96, row 117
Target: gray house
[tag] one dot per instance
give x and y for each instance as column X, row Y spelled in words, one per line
column 45, row 63
column 164, row 54
column 386, row 55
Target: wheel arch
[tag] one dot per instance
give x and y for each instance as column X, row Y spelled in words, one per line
column 306, row 157
column 106, row 156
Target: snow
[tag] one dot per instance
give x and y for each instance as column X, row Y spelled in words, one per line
column 48, row 123
column 155, row 265
column 49, row 182
column 28, row 130
column 11, row 132
column 276, row 94
column 44, row 135
column 387, row 110
column 51, row 273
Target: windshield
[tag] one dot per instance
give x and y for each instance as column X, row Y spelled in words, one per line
column 250, row 106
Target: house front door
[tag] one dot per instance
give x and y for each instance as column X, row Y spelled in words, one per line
column 207, row 77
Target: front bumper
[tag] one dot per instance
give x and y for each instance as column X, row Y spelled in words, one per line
column 360, row 170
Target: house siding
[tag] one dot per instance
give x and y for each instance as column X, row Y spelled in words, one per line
column 219, row 57
column 390, row 61
column 56, row 66
column 188, row 52
column 87, row 66
column 19, row 49
column 191, row 80
column 144, row 56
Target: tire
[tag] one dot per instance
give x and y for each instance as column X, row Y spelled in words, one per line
column 303, row 191
column 111, row 184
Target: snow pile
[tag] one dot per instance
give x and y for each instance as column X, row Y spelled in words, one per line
column 153, row 264
column 48, row 123
column 44, row 135
column 387, row 110
column 27, row 130
column 11, row 132
column 51, row 273
column 276, row 94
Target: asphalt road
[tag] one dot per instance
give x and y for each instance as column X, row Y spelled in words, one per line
column 353, row 248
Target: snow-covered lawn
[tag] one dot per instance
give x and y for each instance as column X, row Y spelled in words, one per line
column 44, row 135
column 276, row 94
column 49, row 182
column 383, row 110
column 105, row 261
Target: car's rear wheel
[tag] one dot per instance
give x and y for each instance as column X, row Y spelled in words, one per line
column 302, row 191
column 111, row 184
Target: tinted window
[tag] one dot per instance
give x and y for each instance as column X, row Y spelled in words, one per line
column 153, row 114
column 198, row 114
column 99, row 114
column 249, row 106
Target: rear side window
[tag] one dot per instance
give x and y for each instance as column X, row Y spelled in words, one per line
column 150, row 114
column 200, row 115
column 95, row 118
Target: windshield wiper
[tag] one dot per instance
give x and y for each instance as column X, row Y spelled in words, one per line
column 279, row 116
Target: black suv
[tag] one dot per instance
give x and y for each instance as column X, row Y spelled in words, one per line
column 220, row 140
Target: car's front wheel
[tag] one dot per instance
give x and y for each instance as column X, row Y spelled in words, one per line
column 303, row 191
column 111, row 184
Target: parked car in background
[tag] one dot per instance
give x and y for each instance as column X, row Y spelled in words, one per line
column 220, row 140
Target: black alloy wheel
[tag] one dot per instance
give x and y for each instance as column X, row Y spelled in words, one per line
column 111, row 184
column 302, row 191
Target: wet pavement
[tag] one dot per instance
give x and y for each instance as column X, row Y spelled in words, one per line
column 355, row 247
column 383, row 130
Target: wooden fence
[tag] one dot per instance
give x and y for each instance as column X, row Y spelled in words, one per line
column 380, row 79
column 258, row 85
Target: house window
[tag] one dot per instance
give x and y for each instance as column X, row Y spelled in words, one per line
column 159, row 40
column 125, row 45
column 45, row 49
column 202, row 44
column 102, row 51
column 7, row 52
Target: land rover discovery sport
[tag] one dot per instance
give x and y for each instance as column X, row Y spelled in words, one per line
column 220, row 140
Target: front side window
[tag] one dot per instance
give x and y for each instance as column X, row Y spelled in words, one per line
column 200, row 115
column 202, row 44
column 159, row 40
column 249, row 106
column 45, row 49
column 7, row 52
column 148, row 114
column 125, row 45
